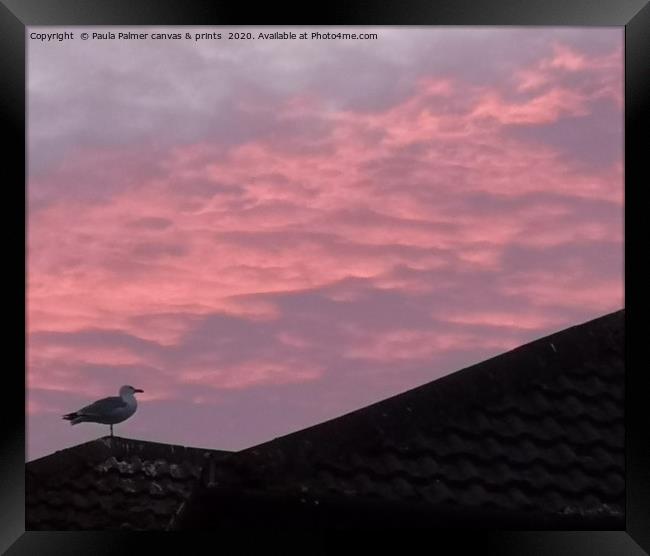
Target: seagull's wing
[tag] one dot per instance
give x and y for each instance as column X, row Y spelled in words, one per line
column 105, row 406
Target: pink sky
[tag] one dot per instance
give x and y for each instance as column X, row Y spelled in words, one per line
column 264, row 235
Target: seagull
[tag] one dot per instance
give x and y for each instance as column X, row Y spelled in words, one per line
column 107, row 411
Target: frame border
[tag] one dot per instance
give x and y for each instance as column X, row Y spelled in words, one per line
column 634, row 15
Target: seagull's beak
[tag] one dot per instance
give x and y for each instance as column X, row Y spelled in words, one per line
column 137, row 390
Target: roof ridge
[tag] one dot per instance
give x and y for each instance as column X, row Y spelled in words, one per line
column 500, row 375
column 67, row 461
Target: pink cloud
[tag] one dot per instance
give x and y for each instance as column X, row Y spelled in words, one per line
column 423, row 345
column 601, row 74
column 109, row 266
column 251, row 373
column 389, row 238
column 527, row 319
column 568, row 290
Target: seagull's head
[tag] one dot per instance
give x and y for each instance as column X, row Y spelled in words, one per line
column 127, row 390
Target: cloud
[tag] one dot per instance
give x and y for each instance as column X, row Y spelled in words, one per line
column 266, row 231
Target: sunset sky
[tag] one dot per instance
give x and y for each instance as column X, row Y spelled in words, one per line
column 264, row 235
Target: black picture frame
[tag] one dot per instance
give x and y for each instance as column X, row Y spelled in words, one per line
column 634, row 15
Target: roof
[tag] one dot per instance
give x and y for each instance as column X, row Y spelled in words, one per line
column 111, row 483
column 532, row 438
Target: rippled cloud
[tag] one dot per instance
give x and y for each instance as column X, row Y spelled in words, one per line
column 287, row 234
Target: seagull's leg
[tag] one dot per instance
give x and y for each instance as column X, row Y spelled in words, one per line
column 111, row 431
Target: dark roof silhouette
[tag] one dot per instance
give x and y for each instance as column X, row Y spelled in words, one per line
column 532, row 438
column 111, row 483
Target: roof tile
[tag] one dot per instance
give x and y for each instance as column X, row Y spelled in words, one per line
column 114, row 484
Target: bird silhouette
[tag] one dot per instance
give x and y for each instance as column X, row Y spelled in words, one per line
column 107, row 411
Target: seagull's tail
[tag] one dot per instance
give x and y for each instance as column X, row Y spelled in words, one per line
column 74, row 418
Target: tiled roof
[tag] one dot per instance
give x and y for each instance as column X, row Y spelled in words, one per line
column 537, row 431
column 111, row 483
